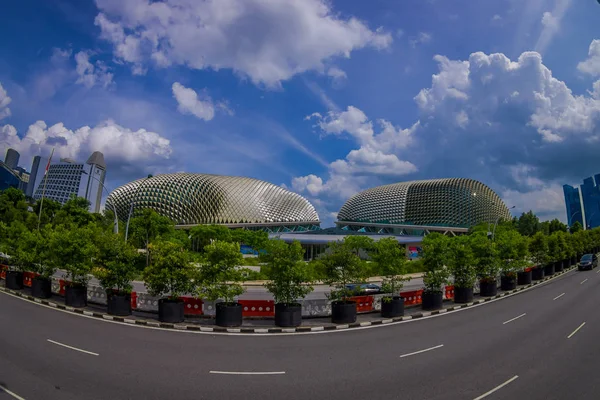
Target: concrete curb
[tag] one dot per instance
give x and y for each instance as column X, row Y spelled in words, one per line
column 263, row 330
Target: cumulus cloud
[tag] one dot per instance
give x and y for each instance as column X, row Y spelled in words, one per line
column 338, row 76
column 189, row 103
column 508, row 123
column 375, row 157
column 91, row 74
column 121, row 146
column 4, row 102
column 268, row 42
column 591, row 65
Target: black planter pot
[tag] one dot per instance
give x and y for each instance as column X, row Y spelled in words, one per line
column 508, row 282
column 432, row 300
column 537, row 273
column 229, row 314
column 288, row 315
column 393, row 307
column 487, row 289
column 524, row 277
column 76, row 296
column 463, row 294
column 170, row 310
column 41, row 288
column 343, row 312
column 549, row 270
column 558, row 266
column 14, row 280
column 118, row 304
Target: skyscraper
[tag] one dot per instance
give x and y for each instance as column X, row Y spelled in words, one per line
column 12, row 158
column 590, row 193
column 36, row 174
column 573, row 203
column 67, row 178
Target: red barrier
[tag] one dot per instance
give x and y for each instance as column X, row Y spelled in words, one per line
column 449, row 292
column 363, row 303
column 192, row 306
column 133, row 300
column 61, row 288
column 3, row 269
column 529, row 269
column 412, row 298
column 258, row 308
column 27, row 277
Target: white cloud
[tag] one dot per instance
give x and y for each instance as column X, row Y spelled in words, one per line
column 548, row 201
column 551, row 23
column 591, row 65
column 496, row 18
column 120, row 145
column 90, row 74
column 421, row 38
column 189, row 103
column 337, row 76
column 374, row 158
column 4, row 102
column 310, row 183
column 267, row 41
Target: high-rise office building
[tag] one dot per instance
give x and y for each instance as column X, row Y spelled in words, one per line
column 583, row 204
column 573, row 203
column 35, row 176
column 12, row 158
column 67, row 178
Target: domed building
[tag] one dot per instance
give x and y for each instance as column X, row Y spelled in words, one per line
column 418, row 207
column 237, row 202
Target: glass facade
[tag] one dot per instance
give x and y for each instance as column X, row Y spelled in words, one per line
column 573, row 204
column 8, row 178
column 590, row 193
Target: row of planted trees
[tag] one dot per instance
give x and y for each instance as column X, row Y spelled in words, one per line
column 482, row 257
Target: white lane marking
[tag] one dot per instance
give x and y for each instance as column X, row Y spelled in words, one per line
column 598, row 272
column 511, row 320
column 406, row 321
column 575, row 331
column 496, row 388
column 559, row 296
column 247, row 373
column 8, row 392
column 583, row 281
column 73, row 348
column 421, row 351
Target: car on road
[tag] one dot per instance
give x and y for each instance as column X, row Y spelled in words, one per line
column 588, row 261
column 363, row 288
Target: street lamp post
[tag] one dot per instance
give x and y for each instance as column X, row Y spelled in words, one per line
column 496, row 224
column 132, row 203
column 116, row 224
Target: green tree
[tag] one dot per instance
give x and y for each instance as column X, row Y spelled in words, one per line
column 33, row 250
column 204, row 234
column 538, row 246
column 11, row 245
column 528, row 224
column 147, row 227
column 49, row 210
column 359, row 242
column 461, row 262
column 513, row 249
column 436, row 252
column 74, row 249
column 576, row 227
column 557, row 226
column 341, row 266
column 219, row 276
column 74, row 212
column 117, row 264
column 487, row 257
column 288, row 277
column 390, row 258
column 170, row 272
column 13, row 207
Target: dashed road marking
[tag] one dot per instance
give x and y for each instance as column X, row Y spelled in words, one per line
column 497, row 388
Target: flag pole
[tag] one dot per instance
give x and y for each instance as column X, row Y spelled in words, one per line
column 44, row 188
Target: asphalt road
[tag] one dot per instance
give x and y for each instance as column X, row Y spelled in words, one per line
column 532, row 336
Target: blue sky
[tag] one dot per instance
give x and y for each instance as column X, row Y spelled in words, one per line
column 324, row 97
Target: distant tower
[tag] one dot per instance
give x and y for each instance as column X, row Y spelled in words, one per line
column 12, row 158
column 37, row 173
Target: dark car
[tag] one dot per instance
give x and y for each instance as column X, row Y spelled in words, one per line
column 363, row 288
column 588, row 261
